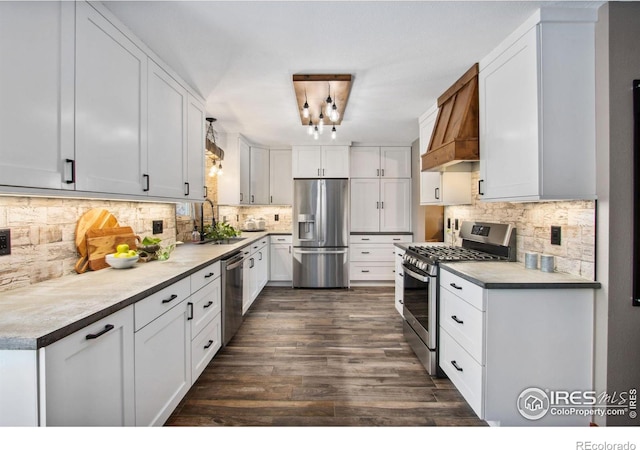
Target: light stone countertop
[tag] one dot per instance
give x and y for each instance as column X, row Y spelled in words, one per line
column 38, row 315
column 513, row 275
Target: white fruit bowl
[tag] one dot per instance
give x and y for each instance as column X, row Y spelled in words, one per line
column 121, row 263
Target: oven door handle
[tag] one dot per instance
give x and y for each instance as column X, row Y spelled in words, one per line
column 417, row 276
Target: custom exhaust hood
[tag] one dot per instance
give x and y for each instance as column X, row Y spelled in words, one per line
column 455, row 134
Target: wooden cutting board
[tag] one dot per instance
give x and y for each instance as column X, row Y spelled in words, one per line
column 93, row 219
column 101, row 242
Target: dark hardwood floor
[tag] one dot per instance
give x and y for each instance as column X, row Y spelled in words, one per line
column 321, row 358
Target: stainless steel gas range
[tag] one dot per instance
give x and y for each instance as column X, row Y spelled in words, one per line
column 481, row 241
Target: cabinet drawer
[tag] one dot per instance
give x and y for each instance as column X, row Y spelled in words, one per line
column 162, row 301
column 206, row 304
column 257, row 245
column 463, row 322
column 380, row 238
column 281, row 239
column 204, row 346
column 205, row 276
column 469, row 292
column 372, row 271
column 467, row 376
column 365, row 252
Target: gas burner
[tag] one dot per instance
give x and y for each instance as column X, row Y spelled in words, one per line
column 444, row 253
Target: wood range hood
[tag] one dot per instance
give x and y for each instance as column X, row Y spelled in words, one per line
column 455, row 134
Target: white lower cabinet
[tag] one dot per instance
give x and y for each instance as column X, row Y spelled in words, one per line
column 163, row 365
column 280, row 259
column 372, row 256
column 255, row 272
column 399, row 291
column 89, row 375
column 497, row 343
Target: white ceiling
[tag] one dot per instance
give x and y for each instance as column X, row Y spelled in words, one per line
column 241, row 56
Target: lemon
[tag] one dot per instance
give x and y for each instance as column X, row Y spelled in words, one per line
column 122, row 248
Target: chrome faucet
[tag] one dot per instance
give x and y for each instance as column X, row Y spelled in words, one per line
column 213, row 217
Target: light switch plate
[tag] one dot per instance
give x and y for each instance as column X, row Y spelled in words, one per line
column 157, row 227
column 5, row 242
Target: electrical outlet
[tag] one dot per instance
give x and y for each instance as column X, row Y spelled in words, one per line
column 5, row 242
column 157, row 227
column 276, row 217
column 555, row 235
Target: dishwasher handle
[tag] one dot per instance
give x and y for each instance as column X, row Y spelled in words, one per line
column 234, row 262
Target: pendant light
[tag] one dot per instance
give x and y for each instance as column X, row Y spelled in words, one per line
column 334, row 112
column 333, row 132
column 220, row 172
column 315, row 133
column 329, row 101
column 310, row 129
column 321, row 123
column 305, row 108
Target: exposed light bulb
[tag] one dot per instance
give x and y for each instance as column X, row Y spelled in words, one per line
column 310, row 128
column 220, row 172
column 315, row 133
column 329, row 102
column 321, row 123
column 213, row 170
column 305, row 110
column 334, row 113
column 333, row 132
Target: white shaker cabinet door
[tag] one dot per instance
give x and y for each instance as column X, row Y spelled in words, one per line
column 430, row 188
column 365, row 204
column 365, row 162
column 280, row 177
column 111, row 108
column 395, row 162
column 395, row 204
column 335, row 161
column 89, row 375
column 245, row 172
column 281, row 264
column 167, row 137
column 306, row 161
column 196, row 132
column 36, row 94
column 259, row 176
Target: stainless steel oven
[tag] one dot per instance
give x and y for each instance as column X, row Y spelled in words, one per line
column 419, row 300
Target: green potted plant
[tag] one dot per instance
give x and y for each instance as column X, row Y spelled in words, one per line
column 222, row 232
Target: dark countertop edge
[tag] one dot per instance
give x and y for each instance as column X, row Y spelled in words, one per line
column 48, row 339
column 380, row 233
column 527, row 285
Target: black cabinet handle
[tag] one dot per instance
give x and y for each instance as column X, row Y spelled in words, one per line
column 396, row 239
column 251, row 263
column 251, row 198
column 209, row 275
column 106, row 329
column 455, row 286
column 480, row 187
column 365, row 253
column 208, row 344
column 173, row 297
column 318, row 172
column 281, row 239
column 437, row 193
column 207, row 305
column 260, row 253
column 382, row 172
column 458, row 368
column 148, row 181
column 241, row 196
column 364, row 271
column 381, row 205
column 205, row 191
column 377, row 172
column 190, row 314
column 186, row 189
column 401, row 302
column 271, row 198
column 322, row 172
column 377, row 205
column 455, row 318
column 73, row 171
column 366, row 239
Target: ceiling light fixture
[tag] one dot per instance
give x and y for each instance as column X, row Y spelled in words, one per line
column 325, row 92
column 212, row 150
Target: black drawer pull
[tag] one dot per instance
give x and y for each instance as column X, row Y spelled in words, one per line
column 73, row 171
column 455, row 318
column 208, row 344
column 186, row 189
column 209, row 275
column 455, row 286
column 107, row 328
column 365, row 253
column 207, row 305
column 173, row 297
column 365, row 271
column 148, row 181
column 190, row 314
column 480, row 187
column 458, row 368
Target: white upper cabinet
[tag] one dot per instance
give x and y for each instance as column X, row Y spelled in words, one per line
column 167, row 137
column 259, row 176
column 244, row 150
column 372, row 162
column 280, row 179
column 445, row 188
column 537, row 111
column 36, row 94
column 196, row 133
column 111, row 107
column 315, row 161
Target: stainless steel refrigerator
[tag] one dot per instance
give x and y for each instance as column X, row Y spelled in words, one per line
column 320, row 233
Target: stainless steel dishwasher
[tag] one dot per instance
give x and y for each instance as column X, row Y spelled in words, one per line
column 231, row 295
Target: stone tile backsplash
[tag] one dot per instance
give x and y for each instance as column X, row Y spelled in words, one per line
column 533, row 221
column 237, row 215
column 43, row 233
